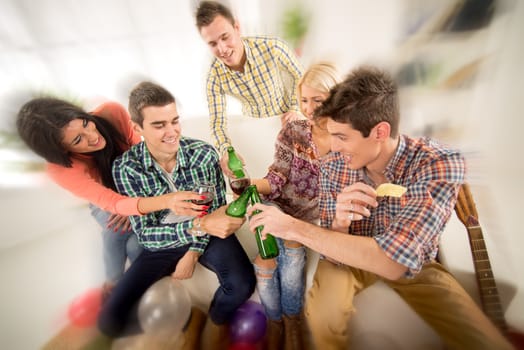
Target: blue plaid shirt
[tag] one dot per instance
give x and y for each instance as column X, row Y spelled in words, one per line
column 136, row 174
column 408, row 228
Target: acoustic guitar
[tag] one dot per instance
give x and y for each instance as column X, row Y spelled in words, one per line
column 489, row 296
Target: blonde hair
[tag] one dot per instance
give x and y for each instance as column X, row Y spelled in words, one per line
column 321, row 76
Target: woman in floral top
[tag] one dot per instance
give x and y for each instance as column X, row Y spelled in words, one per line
column 292, row 184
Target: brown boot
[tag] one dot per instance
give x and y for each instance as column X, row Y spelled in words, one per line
column 215, row 336
column 293, row 332
column 192, row 332
column 274, row 335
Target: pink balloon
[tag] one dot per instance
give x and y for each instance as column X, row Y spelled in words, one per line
column 83, row 310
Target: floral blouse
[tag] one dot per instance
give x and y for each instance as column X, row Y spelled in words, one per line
column 294, row 174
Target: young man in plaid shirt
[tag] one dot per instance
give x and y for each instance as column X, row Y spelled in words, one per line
column 251, row 69
column 174, row 242
column 364, row 238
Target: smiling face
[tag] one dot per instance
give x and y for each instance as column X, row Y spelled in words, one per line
column 82, row 136
column 310, row 99
column 161, row 130
column 225, row 43
column 359, row 151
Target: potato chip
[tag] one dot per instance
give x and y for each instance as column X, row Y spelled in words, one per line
column 391, row 190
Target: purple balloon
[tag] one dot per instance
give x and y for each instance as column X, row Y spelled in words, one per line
column 249, row 323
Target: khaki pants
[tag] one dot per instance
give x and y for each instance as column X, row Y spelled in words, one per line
column 434, row 294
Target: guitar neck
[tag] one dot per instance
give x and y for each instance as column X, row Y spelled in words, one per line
column 487, row 286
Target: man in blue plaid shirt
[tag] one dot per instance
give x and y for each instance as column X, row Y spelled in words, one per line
column 366, row 238
column 174, row 242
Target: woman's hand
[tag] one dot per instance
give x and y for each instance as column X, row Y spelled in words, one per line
column 119, row 222
column 181, row 203
column 186, row 266
column 290, row 116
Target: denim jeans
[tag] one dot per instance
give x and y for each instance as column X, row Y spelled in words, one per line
column 117, row 246
column 225, row 257
column 283, row 292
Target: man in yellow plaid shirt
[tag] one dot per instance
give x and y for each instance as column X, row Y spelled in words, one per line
column 250, row 69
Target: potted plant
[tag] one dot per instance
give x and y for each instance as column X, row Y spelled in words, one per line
column 295, row 23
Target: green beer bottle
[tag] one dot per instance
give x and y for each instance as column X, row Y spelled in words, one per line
column 238, row 207
column 267, row 248
column 234, row 164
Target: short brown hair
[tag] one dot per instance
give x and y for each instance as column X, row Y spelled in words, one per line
column 366, row 97
column 147, row 94
column 207, row 11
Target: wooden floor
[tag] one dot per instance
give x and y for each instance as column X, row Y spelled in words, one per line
column 73, row 338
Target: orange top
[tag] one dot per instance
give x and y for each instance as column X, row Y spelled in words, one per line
column 83, row 178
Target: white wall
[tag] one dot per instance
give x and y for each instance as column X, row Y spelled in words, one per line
column 351, row 32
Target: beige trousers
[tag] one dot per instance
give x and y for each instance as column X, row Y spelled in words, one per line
column 434, row 294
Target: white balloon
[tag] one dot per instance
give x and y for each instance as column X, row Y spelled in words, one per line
column 164, row 308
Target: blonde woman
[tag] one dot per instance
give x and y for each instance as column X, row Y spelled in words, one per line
column 292, row 184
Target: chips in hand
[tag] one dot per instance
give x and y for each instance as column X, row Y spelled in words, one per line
column 390, row 190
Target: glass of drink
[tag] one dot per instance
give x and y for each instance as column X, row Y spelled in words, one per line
column 239, row 184
column 207, row 191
